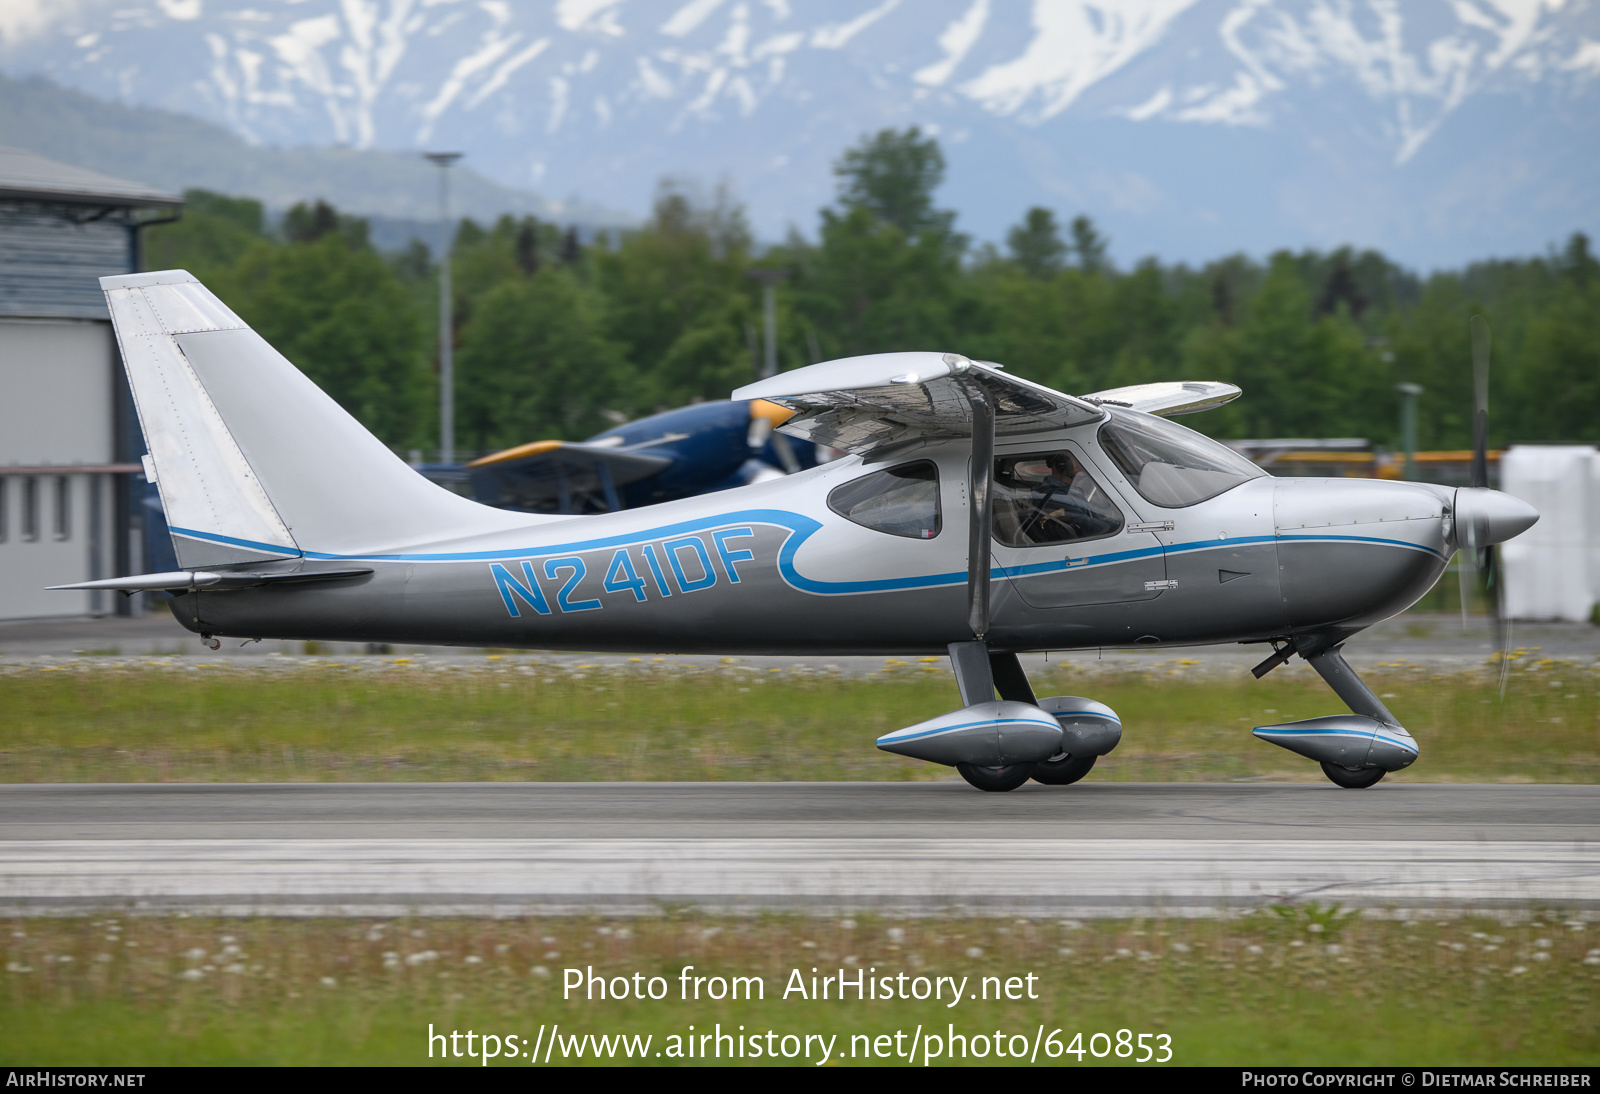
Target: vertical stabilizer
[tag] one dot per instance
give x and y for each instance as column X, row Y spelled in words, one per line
column 253, row 460
column 215, row 505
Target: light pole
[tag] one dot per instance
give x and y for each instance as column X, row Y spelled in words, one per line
column 768, row 279
column 447, row 363
column 1408, row 426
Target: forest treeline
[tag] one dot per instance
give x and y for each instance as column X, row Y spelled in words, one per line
column 557, row 337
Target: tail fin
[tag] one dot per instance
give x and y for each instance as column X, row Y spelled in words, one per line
column 253, row 461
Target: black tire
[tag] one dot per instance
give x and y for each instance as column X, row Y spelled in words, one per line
column 1353, row 779
column 996, row 778
column 1064, row 770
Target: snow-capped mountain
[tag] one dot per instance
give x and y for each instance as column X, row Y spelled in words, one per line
column 1437, row 129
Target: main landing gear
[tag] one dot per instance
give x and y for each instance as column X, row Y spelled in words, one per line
column 1007, row 678
column 1063, row 769
column 1352, row 778
column 997, row 778
column 999, row 744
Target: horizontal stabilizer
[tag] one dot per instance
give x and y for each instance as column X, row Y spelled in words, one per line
column 861, row 403
column 206, row 579
column 1170, row 398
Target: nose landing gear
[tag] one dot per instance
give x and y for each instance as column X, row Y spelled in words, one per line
column 1355, row 750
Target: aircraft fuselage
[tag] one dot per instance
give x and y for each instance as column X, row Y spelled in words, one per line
column 772, row 569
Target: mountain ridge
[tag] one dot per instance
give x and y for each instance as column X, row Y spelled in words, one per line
column 1353, row 115
column 177, row 151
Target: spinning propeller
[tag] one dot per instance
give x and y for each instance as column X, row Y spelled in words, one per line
column 1477, row 539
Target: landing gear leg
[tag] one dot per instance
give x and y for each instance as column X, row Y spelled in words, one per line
column 979, row 674
column 1337, row 673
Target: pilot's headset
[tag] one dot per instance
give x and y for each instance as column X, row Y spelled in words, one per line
column 1063, row 466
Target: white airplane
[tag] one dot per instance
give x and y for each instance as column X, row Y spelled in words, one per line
column 975, row 514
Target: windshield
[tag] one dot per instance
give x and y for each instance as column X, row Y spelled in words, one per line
column 1169, row 465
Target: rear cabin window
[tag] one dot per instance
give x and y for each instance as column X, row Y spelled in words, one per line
column 902, row 501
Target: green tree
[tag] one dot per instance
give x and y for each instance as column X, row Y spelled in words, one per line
column 1088, row 245
column 308, row 223
column 1559, row 376
column 1301, row 375
column 887, row 274
column 1036, row 244
column 677, row 299
column 337, row 311
column 892, row 175
column 535, row 364
column 213, row 233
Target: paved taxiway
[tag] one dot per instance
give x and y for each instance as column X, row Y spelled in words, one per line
column 917, row 847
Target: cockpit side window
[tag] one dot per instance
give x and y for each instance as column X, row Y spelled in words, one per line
column 902, row 501
column 1049, row 497
column 1169, row 465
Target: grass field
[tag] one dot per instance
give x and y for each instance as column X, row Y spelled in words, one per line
column 1303, row 986
column 514, row 718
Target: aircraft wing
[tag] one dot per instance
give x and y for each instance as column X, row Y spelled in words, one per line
column 861, row 403
column 1170, row 398
column 534, row 475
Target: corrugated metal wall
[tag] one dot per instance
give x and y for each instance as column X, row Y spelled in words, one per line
column 50, row 267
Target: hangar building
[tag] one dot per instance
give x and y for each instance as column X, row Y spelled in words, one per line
column 71, row 485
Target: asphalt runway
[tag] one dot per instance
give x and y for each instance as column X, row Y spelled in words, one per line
column 636, row 848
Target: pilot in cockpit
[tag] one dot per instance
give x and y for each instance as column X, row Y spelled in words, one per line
column 1068, row 503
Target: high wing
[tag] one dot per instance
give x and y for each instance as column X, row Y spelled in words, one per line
column 1170, row 398
column 861, row 403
